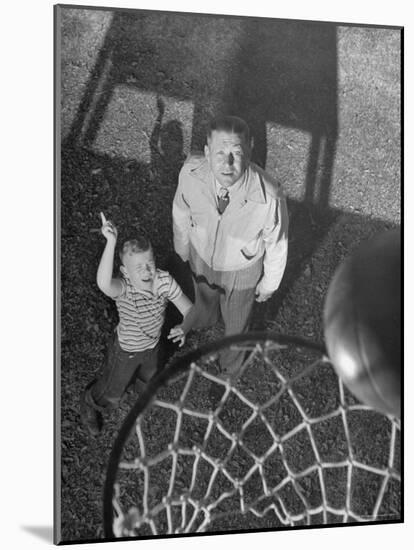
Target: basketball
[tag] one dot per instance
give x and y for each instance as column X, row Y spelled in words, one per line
column 362, row 322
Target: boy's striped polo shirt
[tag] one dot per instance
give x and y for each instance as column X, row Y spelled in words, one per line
column 141, row 312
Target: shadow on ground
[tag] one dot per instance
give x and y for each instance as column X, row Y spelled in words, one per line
column 266, row 71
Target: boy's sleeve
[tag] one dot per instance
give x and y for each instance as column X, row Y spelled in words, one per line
column 123, row 291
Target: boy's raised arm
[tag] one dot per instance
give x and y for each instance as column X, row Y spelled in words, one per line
column 110, row 286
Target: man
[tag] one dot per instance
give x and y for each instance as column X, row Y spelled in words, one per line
column 230, row 223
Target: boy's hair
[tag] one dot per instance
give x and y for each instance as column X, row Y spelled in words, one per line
column 140, row 244
column 231, row 124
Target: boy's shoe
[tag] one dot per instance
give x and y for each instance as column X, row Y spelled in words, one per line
column 90, row 417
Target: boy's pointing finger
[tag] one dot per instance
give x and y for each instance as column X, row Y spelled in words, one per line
column 103, row 219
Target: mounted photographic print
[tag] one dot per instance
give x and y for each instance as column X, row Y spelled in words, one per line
column 228, row 259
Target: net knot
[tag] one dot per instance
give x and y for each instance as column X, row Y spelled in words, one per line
column 173, row 447
column 219, row 465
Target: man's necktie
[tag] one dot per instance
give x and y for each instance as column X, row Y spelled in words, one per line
column 223, row 200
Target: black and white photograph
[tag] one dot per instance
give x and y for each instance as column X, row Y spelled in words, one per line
column 228, row 292
column 292, row 448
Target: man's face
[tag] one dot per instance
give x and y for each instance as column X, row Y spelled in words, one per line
column 140, row 267
column 228, row 155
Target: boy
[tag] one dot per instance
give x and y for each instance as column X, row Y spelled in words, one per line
column 141, row 296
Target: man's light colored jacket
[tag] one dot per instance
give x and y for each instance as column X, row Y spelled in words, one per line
column 254, row 226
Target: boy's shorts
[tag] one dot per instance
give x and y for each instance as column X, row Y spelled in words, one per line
column 121, row 368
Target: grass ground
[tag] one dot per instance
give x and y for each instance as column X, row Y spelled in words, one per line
column 324, row 106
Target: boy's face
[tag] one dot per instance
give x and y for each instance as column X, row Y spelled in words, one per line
column 140, row 267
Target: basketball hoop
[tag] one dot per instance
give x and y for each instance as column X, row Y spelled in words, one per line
column 282, row 444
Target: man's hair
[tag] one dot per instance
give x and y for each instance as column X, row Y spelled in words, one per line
column 134, row 246
column 231, row 124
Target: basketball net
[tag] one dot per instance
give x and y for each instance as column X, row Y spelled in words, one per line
column 282, row 444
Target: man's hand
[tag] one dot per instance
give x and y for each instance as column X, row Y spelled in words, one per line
column 108, row 229
column 262, row 295
column 177, row 335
